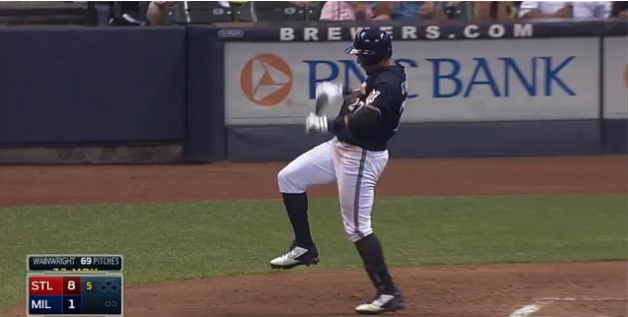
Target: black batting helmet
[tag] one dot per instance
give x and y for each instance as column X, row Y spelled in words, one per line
column 371, row 46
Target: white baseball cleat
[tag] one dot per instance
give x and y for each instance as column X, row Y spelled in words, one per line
column 381, row 304
column 296, row 256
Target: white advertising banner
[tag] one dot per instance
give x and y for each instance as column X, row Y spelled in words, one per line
column 616, row 77
column 448, row 81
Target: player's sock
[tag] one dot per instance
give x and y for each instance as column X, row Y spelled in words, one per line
column 372, row 254
column 296, row 206
column 370, row 270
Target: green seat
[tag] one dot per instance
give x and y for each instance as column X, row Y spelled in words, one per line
column 199, row 12
column 313, row 11
column 273, row 11
column 175, row 15
column 463, row 11
column 202, row 5
column 244, row 13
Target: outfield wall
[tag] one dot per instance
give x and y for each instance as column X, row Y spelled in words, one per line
column 241, row 94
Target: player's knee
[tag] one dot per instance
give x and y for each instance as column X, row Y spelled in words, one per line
column 288, row 182
column 357, row 235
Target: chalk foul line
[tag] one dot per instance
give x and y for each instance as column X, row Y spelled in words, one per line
column 528, row 310
column 585, row 299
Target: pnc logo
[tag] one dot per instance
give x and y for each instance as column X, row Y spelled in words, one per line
column 266, row 80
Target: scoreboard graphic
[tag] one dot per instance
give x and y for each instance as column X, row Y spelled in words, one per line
column 83, row 285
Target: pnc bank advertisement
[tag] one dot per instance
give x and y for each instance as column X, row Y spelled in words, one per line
column 448, row 81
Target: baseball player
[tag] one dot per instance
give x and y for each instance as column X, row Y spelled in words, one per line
column 355, row 158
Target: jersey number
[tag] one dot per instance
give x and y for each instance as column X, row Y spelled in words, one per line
column 404, row 91
column 370, row 100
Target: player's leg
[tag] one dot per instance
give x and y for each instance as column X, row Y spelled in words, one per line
column 358, row 172
column 310, row 168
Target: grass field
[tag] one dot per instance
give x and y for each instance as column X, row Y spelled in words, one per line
column 179, row 241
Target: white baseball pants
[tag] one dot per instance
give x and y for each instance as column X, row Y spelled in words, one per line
column 356, row 171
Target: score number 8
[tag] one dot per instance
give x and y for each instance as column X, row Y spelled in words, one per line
column 86, row 261
column 72, row 285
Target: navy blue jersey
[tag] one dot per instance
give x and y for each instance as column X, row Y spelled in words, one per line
column 373, row 119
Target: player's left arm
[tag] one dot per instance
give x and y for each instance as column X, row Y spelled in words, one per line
column 371, row 110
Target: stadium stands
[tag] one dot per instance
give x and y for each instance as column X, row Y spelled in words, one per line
column 144, row 13
column 14, row 13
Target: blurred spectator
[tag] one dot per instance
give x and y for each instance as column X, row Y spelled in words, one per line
column 592, row 9
column 495, row 10
column 565, row 9
column 346, row 11
column 156, row 14
column 407, row 10
column 619, row 9
column 138, row 13
column 382, row 10
column 545, row 9
column 431, row 10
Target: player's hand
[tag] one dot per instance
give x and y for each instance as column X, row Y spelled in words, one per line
column 317, row 123
column 327, row 93
column 332, row 91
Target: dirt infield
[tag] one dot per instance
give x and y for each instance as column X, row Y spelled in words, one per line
column 575, row 290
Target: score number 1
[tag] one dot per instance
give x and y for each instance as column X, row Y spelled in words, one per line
column 72, row 287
